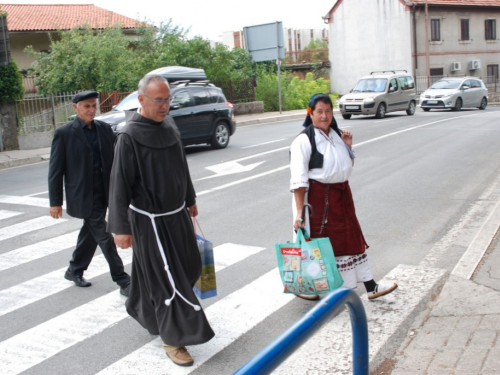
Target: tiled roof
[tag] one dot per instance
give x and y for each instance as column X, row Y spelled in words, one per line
column 27, row 17
column 494, row 3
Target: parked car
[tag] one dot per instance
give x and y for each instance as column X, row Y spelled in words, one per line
column 455, row 93
column 379, row 93
column 199, row 109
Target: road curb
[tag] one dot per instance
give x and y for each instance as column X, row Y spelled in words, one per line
column 21, row 162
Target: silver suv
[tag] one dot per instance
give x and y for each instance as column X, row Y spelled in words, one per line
column 379, row 93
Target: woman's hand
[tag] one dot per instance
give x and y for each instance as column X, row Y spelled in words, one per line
column 347, row 138
column 299, row 222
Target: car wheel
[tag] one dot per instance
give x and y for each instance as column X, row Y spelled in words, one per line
column 411, row 109
column 347, row 117
column 484, row 103
column 220, row 138
column 426, row 109
column 380, row 111
column 458, row 105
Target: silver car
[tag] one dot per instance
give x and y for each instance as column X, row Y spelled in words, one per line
column 455, row 93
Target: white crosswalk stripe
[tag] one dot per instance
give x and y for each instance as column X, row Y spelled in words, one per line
column 26, row 200
column 230, row 318
column 38, row 250
column 5, row 214
column 28, row 226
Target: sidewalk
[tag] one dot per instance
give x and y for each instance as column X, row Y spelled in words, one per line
column 459, row 334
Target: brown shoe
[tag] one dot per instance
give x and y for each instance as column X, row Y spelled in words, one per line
column 309, row 297
column 179, row 355
column 382, row 290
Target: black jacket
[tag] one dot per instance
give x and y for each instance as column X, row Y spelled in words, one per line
column 71, row 161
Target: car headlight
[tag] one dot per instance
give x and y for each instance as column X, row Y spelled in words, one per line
column 342, row 99
column 369, row 100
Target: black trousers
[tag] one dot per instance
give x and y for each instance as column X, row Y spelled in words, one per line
column 93, row 233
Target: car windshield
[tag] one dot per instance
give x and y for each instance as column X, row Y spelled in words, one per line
column 129, row 103
column 370, row 85
column 447, row 84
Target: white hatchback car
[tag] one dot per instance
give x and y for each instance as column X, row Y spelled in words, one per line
column 455, row 93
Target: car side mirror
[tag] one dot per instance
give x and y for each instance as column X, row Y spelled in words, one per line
column 175, row 106
column 392, row 89
column 465, row 87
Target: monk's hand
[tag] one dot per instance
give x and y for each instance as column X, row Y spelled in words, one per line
column 347, row 137
column 56, row 212
column 193, row 210
column 123, row 241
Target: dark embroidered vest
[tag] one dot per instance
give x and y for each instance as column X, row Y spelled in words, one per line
column 316, row 160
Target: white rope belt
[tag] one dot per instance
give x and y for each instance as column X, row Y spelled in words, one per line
column 162, row 252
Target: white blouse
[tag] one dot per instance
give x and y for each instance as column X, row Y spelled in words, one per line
column 337, row 162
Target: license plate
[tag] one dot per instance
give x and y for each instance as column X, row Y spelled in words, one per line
column 352, row 107
column 432, row 102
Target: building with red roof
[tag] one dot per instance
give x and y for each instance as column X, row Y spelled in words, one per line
column 31, row 24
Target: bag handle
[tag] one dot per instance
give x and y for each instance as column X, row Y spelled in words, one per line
column 195, row 223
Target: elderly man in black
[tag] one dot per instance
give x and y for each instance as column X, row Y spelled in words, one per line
column 81, row 156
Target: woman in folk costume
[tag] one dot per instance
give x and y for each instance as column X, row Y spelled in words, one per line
column 321, row 161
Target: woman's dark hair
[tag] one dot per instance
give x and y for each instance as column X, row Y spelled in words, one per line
column 320, row 98
column 324, row 98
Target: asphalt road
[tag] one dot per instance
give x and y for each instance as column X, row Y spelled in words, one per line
column 416, row 180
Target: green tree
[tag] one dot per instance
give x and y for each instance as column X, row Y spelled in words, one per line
column 86, row 59
column 11, row 83
column 295, row 92
column 107, row 60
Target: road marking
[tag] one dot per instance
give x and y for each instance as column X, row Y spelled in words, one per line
column 27, row 201
column 39, row 343
column 241, row 181
column 32, row 195
column 230, row 318
column 33, row 290
column 28, row 226
column 38, row 250
column 231, row 167
column 265, row 143
column 5, row 214
column 230, row 253
column 286, row 148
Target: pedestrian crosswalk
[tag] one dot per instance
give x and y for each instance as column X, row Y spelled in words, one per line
column 232, row 316
column 51, row 344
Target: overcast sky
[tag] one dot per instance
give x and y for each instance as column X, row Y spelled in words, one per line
column 211, row 18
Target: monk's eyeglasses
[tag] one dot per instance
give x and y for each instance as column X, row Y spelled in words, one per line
column 159, row 102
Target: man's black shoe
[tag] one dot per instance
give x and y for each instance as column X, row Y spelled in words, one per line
column 125, row 290
column 77, row 279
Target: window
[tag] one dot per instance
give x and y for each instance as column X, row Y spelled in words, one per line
column 492, row 73
column 435, row 30
column 490, row 29
column 201, row 96
column 464, row 29
column 475, row 84
column 406, row 83
column 216, row 96
column 182, row 99
column 467, row 84
column 436, row 74
column 393, row 84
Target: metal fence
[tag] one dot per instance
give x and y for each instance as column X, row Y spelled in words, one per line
column 239, row 91
column 43, row 113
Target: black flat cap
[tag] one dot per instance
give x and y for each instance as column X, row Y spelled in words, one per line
column 85, row 95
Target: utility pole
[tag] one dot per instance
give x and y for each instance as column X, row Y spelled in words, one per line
column 427, row 63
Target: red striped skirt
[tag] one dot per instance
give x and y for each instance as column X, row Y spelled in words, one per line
column 335, row 217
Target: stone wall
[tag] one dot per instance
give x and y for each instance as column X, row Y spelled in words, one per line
column 8, row 126
column 248, row 108
column 33, row 141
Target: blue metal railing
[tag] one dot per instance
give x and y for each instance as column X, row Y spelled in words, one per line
column 276, row 352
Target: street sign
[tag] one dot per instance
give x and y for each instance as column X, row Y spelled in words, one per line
column 265, row 42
